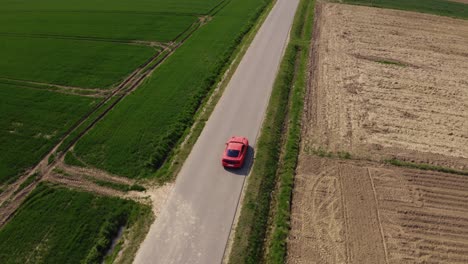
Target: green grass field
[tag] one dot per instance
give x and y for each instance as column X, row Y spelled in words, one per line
column 100, row 25
column 190, row 7
column 32, row 121
column 436, row 7
column 136, row 136
column 57, row 225
column 69, row 62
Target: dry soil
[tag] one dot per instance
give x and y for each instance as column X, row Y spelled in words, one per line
column 384, row 84
column 390, row 84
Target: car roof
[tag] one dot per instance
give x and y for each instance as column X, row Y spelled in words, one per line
column 235, row 145
column 237, row 139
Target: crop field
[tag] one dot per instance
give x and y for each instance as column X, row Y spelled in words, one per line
column 57, row 225
column 28, row 135
column 73, row 48
column 187, row 7
column 107, row 26
column 129, row 76
column 396, row 89
column 360, row 212
column 135, row 138
column 393, row 88
column 88, row 64
column 88, row 43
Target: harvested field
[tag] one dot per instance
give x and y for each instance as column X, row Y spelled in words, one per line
column 393, row 88
column 361, row 212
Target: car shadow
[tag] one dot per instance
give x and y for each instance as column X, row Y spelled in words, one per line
column 245, row 169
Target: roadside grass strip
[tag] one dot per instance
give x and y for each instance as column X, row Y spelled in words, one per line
column 87, row 64
column 135, row 138
column 435, row 7
column 251, row 242
column 58, row 225
column 33, row 121
column 299, row 48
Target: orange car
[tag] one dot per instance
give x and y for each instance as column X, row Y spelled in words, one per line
column 235, row 152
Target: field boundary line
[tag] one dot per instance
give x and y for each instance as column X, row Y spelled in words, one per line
column 378, row 214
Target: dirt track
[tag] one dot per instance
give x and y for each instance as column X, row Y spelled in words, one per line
column 390, row 84
column 361, row 212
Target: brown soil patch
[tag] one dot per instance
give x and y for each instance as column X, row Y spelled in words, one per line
column 389, row 83
column 360, row 212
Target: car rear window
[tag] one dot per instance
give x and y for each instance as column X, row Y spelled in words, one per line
column 233, row 153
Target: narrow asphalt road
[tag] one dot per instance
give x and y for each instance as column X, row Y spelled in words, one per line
column 194, row 224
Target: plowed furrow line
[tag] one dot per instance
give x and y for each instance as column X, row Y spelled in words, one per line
column 436, row 242
column 448, row 179
column 456, row 196
column 432, row 215
column 419, row 230
column 436, row 228
column 438, row 222
column 438, row 184
column 413, row 255
column 460, row 206
column 432, row 248
column 437, row 175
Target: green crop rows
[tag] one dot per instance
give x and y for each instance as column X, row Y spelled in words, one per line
column 75, row 43
column 56, row 225
column 69, row 62
column 86, row 44
column 32, row 121
column 98, row 26
column 188, row 7
column 136, row 136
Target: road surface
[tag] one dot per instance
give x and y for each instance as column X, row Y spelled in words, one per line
column 194, row 224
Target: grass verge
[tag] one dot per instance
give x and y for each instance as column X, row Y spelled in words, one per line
column 286, row 100
column 300, row 44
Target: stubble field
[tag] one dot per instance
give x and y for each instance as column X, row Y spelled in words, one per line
column 362, row 212
column 393, row 88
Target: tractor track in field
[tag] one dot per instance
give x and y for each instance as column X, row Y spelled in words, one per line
column 12, row 197
column 84, row 38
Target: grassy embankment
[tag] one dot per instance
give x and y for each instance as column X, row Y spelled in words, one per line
column 57, row 225
column 136, row 137
column 276, row 158
column 435, row 7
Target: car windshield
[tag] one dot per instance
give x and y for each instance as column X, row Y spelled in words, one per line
column 233, row 153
